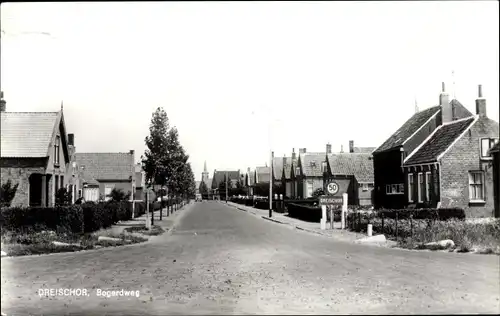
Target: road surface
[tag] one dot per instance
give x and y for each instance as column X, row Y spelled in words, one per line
column 219, row 260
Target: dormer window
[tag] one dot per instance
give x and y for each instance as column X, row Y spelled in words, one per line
column 57, row 145
column 486, row 144
column 323, row 166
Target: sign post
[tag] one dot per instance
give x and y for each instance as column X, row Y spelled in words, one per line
column 330, row 201
column 148, row 223
column 344, row 209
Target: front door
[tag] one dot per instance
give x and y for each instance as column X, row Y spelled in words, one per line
column 35, row 189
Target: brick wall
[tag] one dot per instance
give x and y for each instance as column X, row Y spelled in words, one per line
column 20, row 176
column 456, row 164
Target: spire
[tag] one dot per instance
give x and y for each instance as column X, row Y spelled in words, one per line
column 205, row 167
column 61, row 105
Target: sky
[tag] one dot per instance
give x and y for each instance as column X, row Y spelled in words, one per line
column 240, row 78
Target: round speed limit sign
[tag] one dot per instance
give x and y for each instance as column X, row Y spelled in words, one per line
column 332, row 188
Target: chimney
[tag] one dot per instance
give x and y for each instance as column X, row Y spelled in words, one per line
column 480, row 103
column 341, row 148
column 328, row 148
column 446, row 107
column 351, row 146
column 302, row 150
column 71, row 139
column 132, row 151
column 294, row 157
column 3, row 103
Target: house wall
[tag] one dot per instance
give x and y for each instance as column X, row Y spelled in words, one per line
column 463, row 157
column 434, row 196
column 18, row 170
column 126, row 186
column 365, row 198
column 387, row 170
column 56, row 170
column 317, row 183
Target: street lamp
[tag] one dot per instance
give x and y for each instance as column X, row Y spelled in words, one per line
column 271, row 186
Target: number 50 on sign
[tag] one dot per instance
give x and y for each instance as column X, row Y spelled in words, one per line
column 332, row 188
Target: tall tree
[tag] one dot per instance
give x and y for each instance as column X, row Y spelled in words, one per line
column 157, row 147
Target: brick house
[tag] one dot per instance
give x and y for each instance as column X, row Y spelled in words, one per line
column 262, row 176
column 495, row 153
column 219, row 177
column 451, row 167
column 388, row 158
column 279, row 163
column 288, row 177
column 353, row 173
column 250, row 182
column 34, row 155
column 308, row 174
column 100, row 173
column 140, row 182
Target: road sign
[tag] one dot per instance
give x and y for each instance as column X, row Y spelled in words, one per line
column 329, row 200
column 332, row 188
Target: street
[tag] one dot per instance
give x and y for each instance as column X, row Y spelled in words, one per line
column 219, row 260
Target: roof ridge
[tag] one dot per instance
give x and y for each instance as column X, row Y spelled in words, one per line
column 460, row 120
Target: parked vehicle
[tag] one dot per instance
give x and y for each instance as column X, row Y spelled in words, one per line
column 198, row 198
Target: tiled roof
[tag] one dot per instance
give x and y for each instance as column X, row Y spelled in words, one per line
column 364, row 150
column 439, row 141
column 408, row 128
column 219, row 176
column 311, row 164
column 278, row 166
column 359, row 165
column 27, row 134
column 417, row 121
column 262, row 174
column 288, row 170
column 105, row 166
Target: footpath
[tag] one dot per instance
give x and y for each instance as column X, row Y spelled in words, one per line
column 335, row 233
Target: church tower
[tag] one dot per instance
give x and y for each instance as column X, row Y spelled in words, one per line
column 204, row 174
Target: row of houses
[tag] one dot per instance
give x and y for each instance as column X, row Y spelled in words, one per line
column 441, row 157
column 40, row 157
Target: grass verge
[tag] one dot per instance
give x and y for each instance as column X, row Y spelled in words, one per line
column 155, row 230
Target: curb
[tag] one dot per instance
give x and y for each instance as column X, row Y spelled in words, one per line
column 274, row 220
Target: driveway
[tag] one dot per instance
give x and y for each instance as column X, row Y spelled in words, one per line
column 218, row 260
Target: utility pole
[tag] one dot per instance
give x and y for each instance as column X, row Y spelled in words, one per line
column 226, row 186
column 271, row 186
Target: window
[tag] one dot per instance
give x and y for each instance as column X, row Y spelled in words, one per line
column 364, row 187
column 309, row 188
column 62, row 182
column 56, row 182
column 394, row 189
column 297, row 171
column 486, row 144
column 323, row 166
column 107, row 192
column 56, row 150
column 428, row 179
column 421, row 187
column 411, row 186
column 476, row 189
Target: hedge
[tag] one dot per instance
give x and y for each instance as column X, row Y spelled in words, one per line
column 61, row 218
column 441, row 214
column 304, row 212
column 86, row 217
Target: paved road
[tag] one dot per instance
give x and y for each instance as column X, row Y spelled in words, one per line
column 219, row 260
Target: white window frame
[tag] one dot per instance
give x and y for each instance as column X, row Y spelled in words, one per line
column 491, row 142
column 427, row 186
column 471, row 199
column 57, row 147
column 106, row 187
column 420, row 180
column 364, row 187
column 411, row 186
column 388, row 189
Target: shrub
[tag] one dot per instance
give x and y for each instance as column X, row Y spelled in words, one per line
column 118, row 195
column 304, row 212
column 63, row 197
column 7, row 193
column 60, row 218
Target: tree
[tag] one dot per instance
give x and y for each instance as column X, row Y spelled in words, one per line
column 7, row 193
column 118, row 195
column 203, row 188
column 63, row 197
